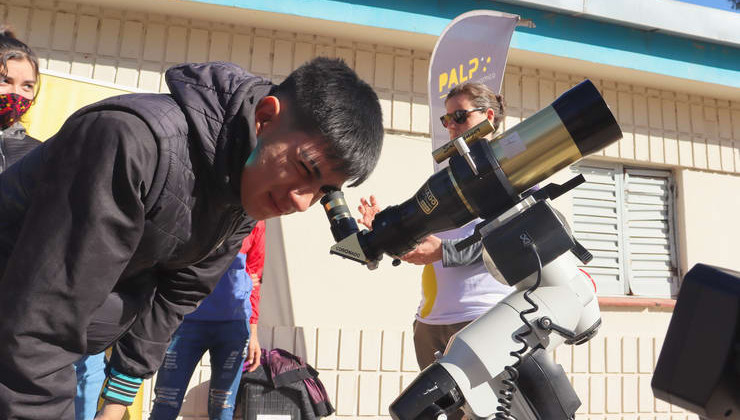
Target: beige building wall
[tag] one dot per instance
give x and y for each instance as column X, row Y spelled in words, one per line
column 708, row 207
column 352, row 324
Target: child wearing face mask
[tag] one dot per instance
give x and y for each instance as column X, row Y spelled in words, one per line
column 19, row 73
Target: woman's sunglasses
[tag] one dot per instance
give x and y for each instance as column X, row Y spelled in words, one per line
column 459, row 116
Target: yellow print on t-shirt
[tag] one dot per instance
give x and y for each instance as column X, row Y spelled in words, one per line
column 428, row 290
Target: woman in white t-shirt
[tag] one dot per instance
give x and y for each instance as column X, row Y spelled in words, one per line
column 456, row 287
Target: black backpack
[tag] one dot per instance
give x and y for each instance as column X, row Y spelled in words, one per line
column 282, row 384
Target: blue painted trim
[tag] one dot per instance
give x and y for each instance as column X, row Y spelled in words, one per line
column 555, row 34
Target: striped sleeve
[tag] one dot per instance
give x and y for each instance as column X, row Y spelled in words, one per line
column 121, row 388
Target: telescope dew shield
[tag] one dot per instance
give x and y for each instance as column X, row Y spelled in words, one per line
column 587, row 118
column 577, row 123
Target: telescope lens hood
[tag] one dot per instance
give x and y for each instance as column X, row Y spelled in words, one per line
column 587, row 118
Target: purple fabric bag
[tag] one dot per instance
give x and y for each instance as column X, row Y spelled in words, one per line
column 286, row 369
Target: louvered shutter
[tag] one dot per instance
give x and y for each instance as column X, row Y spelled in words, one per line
column 597, row 222
column 650, row 263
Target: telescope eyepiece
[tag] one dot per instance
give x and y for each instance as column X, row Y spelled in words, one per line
column 340, row 219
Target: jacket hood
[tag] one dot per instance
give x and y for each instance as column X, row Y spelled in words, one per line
column 15, row 131
column 218, row 100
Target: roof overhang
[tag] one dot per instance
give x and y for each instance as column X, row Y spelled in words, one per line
column 589, row 37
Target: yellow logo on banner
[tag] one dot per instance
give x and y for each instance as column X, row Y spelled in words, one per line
column 462, row 73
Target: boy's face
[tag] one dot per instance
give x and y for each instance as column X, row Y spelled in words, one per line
column 286, row 171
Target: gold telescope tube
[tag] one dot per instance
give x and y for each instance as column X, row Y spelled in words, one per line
column 535, row 149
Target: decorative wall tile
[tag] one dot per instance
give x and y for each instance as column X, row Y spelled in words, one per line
column 349, row 349
column 391, row 351
column 370, row 344
column 64, row 25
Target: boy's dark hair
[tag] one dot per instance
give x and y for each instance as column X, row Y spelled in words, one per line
column 13, row 49
column 481, row 96
column 327, row 98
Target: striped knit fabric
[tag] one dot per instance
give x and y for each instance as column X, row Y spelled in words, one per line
column 120, row 388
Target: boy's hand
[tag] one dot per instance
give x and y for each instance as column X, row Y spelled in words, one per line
column 111, row 411
column 254, row 352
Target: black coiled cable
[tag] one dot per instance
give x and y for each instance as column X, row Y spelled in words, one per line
column 507, row 394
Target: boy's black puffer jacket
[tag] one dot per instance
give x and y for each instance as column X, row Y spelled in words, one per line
column 137, row 195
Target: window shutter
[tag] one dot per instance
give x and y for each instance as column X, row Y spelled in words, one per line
column 597, row 224
column 650, row 262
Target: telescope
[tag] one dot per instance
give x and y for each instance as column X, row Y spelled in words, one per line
column 576, row 124
column 553, row 301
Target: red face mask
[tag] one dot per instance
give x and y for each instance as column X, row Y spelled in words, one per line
column 12, row 108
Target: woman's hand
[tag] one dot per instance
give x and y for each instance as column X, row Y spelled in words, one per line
column 428, row 251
